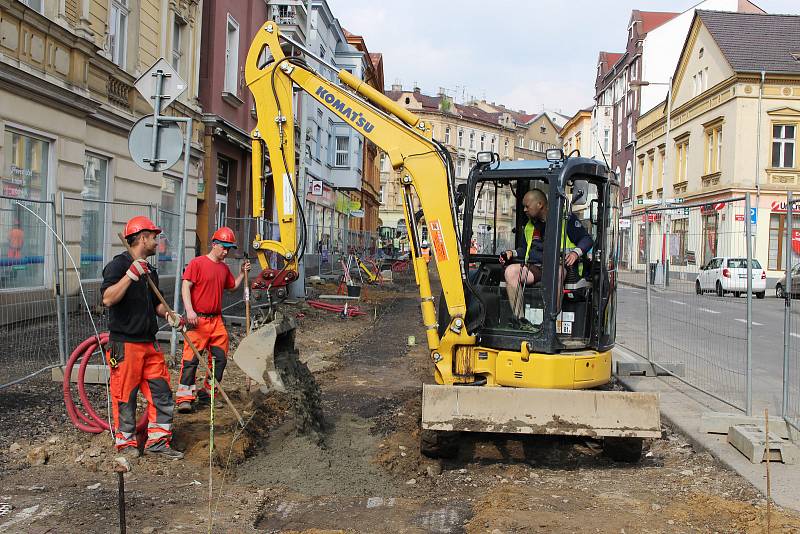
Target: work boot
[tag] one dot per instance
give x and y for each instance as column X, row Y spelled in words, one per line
column 163, row 449
column 204, row 399
column 185, row 407
column 130, row 452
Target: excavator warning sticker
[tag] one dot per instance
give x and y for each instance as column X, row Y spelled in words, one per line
column 288, row 195
column 438, row 240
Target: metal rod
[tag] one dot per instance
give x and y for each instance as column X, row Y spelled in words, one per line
column 787, row 307
column 749, row 242
column 121, row 501
column 647, row 285
column 176, row 301
column 62, row 348
column 64, row 286
column 159, row 78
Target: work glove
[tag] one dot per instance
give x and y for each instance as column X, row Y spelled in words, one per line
column 138, row 269
column 507, row 256
column 175, row 320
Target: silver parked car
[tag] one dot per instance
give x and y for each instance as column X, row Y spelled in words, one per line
column 781, row 287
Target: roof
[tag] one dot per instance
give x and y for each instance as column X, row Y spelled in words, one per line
column 432, row 103
column 652, row 19
column 752, row 42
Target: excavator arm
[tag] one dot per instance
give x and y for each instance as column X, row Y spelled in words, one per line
column 407, row 142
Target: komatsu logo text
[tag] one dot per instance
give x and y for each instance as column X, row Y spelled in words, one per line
column 355, row 117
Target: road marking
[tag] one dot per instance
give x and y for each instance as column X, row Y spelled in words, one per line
column 707, row 310
column 678, row 302
column 745, row 322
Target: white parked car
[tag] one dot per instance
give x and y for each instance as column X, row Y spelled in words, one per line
column 729, row 275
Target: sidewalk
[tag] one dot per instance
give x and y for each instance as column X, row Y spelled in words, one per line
column 681, row 282
column 682, row 408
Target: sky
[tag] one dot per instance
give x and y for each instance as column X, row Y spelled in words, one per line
column 528, row 55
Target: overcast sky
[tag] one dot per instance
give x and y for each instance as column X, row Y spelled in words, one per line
column 525, row 54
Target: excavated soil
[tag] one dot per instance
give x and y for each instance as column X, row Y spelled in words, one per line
column 358, row 467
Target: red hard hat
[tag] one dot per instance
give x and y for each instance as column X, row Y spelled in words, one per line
column 139, row 223
column 225, row 237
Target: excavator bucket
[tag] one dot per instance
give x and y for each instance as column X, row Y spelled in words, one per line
column 255, row 354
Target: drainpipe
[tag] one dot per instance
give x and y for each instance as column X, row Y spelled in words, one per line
column 758, row 153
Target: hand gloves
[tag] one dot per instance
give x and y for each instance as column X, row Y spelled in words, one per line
column 175, row 321
column 138, row 269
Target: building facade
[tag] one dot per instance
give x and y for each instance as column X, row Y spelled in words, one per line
column 731, row 134
column 577, row 135
column 67, row 73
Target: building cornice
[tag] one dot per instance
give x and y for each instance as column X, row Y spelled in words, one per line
column 45, row 92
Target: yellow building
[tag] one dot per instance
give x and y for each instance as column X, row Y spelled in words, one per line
column 68, row 104
column 577, row 133
column 734, row 116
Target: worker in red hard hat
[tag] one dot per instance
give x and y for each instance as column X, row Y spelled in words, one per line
column 135, row 361
column 204, row 280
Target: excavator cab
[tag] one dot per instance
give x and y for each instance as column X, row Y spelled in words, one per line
column 567, row 308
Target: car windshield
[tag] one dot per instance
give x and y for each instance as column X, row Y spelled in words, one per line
column 741, row 263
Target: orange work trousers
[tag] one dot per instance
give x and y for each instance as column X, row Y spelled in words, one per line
column 134, row 367
column 209, row 334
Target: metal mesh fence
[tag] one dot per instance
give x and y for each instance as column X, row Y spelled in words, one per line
column 90, row 231
column 789, row 288
column 29, row 301
column 631, row 311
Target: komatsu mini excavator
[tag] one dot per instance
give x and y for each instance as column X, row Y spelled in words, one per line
column 491, row 374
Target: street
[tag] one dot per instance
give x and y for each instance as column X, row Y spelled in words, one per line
column 708, row 334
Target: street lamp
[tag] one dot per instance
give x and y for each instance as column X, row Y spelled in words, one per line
column 665, row 215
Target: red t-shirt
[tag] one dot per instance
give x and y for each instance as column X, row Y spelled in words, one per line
column 208, row 279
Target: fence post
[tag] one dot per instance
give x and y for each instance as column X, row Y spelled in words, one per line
column 647, row 283
column 749, row 243
column 787, row 308
column 64, row 285
column 62, row 349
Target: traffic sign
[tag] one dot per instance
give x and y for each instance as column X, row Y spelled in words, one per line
column 172, row 85
column 169, row 148
column 753, row 216
column 674, row 201
column 739, row 217
column 647, row 201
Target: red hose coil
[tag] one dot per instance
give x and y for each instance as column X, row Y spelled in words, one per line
column 90, row 421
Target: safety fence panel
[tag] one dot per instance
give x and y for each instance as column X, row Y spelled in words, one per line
column 29, row 290
column 787, row 289
column 632, row 303
column 89, row 230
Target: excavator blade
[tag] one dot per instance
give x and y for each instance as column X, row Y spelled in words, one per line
column 255, row 354
column 541, row 411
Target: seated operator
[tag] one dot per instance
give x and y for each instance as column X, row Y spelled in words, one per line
column 527, row 270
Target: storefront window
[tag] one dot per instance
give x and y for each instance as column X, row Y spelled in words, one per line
column 642, row 243
column 710, row 237
column 677, row 244
column 778, row 225
column 168, row 220
column 95, row 179
column 22, row 235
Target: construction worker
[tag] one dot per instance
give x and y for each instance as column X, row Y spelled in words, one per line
column 203, row 282
column 134, row 358
column 528, row 271
column 426, row 251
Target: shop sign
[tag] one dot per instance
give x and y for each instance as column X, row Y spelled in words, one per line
column 712, row 207
column 796, row 241
column 779, row 206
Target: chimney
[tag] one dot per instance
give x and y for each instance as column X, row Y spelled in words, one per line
column 441, row 91
column 416, row 88
column 397, row 87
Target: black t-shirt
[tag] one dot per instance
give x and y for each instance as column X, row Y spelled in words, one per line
column 133, row 318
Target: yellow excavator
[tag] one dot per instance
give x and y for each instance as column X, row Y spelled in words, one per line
column 491, row 375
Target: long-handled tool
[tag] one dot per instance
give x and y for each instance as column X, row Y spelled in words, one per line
column 247, row 308
column 185, row 337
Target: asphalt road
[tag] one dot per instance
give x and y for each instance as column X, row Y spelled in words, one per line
column 709, row 335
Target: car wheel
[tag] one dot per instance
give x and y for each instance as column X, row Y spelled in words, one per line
column 720, row 292
column 737, row 294
column 761, row 295
column 779, row 292
column 697, row 288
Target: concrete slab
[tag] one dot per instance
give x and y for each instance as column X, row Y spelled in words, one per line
column 95, row 374
column 540, row 411
column 682, row 407
column 720, row 423
column 751, row 440
column 648, row 369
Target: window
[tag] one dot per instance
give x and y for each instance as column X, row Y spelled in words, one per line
column 678, row 241
column 460, row 167
column 37, row 5
column 650, row 170
column 578, row 144
column 521, row 141
column 630, row 130
column 479, row 206
column 223, row 180
column 606, row 139
column 619, row 128
column 232, row 56
column 543, row 129
column 380, row 196
column 178, row 27
column 639, row 175
column 460, row 137
column 531, row 144
column 318, row 146
column 660, row 173
column 118, row 31
column 710, row 237
column 483, row 142
column 93, row 225
column 504, row 204
column 492, row 144
column 168, row 219
column 778, row 226
column 681, row 161
column 783, row 145
column 322, row 51
column 471, row 140
column 713, row 149
column 505, row 148
column 447, row 135
column 342, row 151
